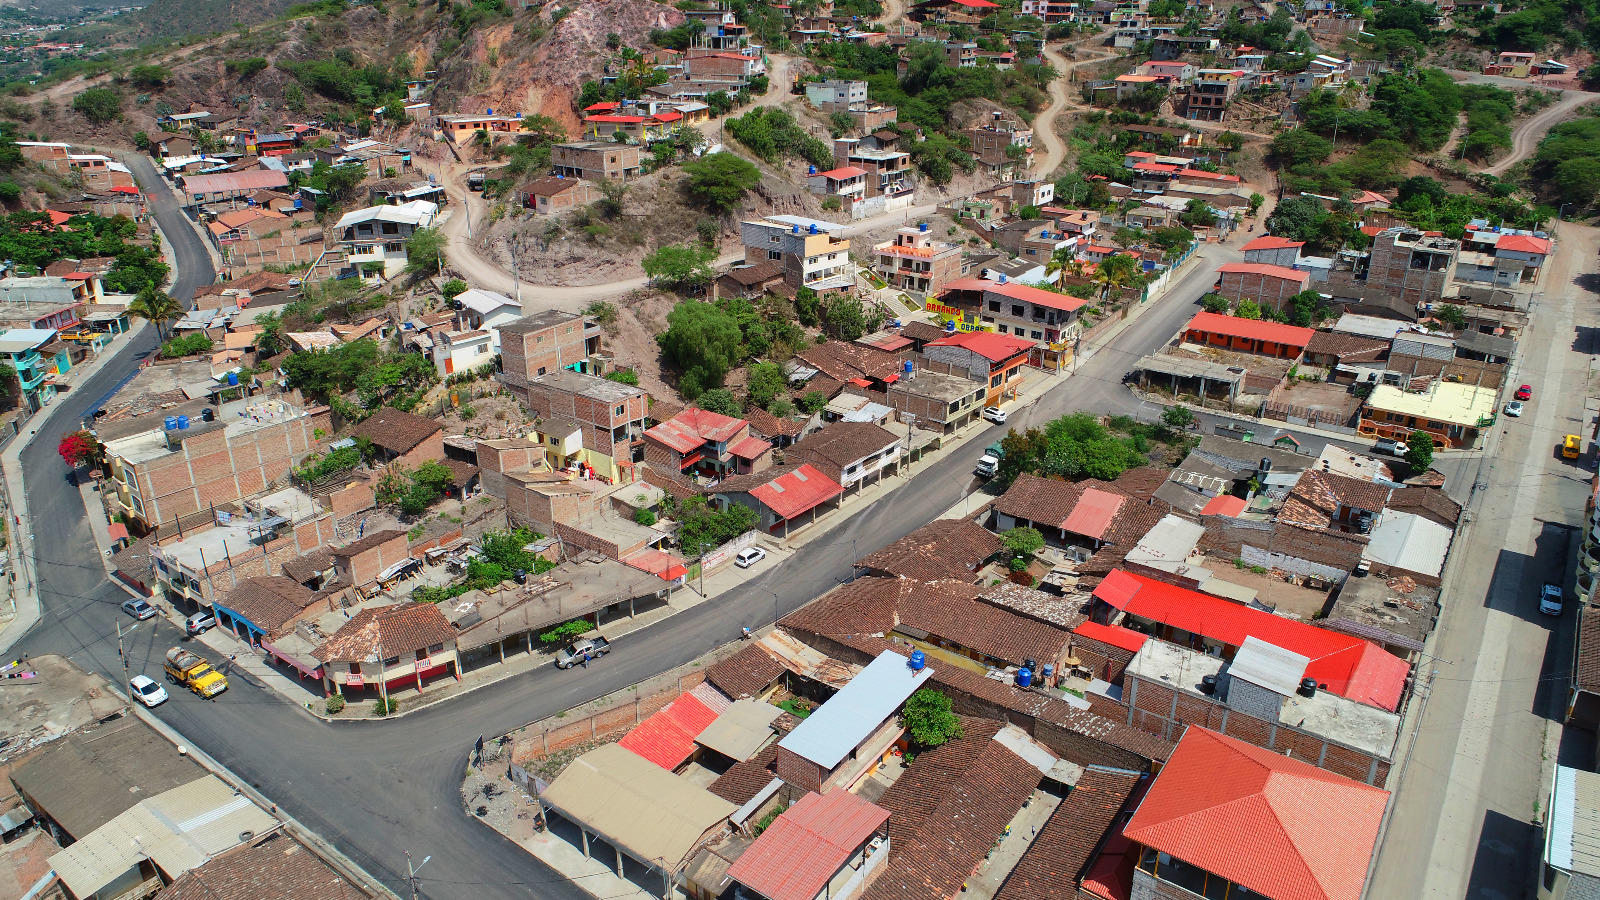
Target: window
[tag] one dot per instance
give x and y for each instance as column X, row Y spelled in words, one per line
column 1036, row 334
column 994, row 306
column 994, row 381
column 774, row 254
column 775, row 239
column 391, row 228
column 1001, row 329
column 1018, row 310
column 355, row 668
column 621, row 410
column 391, row 661
column 952, row 407
column 394, row 248
column 436, row 648
column 541, row 370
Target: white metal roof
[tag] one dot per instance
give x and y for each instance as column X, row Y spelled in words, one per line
column 16, row 340
column 1410, row 542
column 1269, row 666
column 741, row 730
column 485, row 302
column 1572, row 835
column 413, row 212
column 841, row 724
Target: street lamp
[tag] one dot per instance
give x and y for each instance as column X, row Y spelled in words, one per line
column 1562, row 213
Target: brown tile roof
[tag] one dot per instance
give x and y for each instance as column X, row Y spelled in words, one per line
column 367, row 543
column 947, row 548
column 1141, row 482
column 859, row 607
column 745, row 674
column 842, row 362
column 396, row 430
column 269, row 602
column 746, row 778
column 1050, row 502
column 307, row 566
column 1589, row 649
column 1346, row 347
column 551, row 186
column 843, row 443
column 1428, row 502
column 921, row 331
column 461, row 473
column 749, row 276
column 1325, row 492
column 1053, row 864
column 947, row 811
column 274, row 867
column 828, row 387
column 1054, row 609
column 767, row 425
column 397, row 630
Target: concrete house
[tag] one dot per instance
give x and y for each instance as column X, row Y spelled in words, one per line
column 375, row 238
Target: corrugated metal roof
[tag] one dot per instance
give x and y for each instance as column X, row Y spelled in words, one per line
column 1093, row 513
column 1268, row 666
column 839, row 725
column 741, row 729
column 1572, row 840
column 227, row 182
column 1409, row 542
column 807, row 845
column 635, row 804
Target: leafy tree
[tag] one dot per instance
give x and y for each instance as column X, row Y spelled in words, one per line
column 98, row 105
column 681, row 266
column 1196, row 214
column 155, row 307
column 1419, row 451
column 1172, row 238
column 1214, row 303
column 246, row 68
column 929, row 719
column 425, row 251
column 453, row 288
column 141, row 140
column 644, row 517
column 149, row 78
column 767, row 383
column 623, row 376
column 188, row 345
column 1298, row 219
column 703, row 342
column 720, row 401
column 78, row 447
column 1255, row 204
column 703, row 528
column 1178, row 418
column 840, row 123
column 782, row 407
column 846, row 318
column 1248, row 309
column 812, row 402
column 720, row 180
column 808, row 307
column 1022, row 544
column 1451, row 315
column 1306, row 309
column 1421, row 186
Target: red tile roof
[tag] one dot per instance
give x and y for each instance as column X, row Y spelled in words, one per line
column 1093, row 513
column 687, row 430
column 1202, row 173
column 1265, row 269
column 1269, row 242
column 1224, row 505
column 1278, row 826
column 976, row 4
column 1350, row 667
column 788, row 491
column 803, row 848
column 1115, row 635
column 994, row 347
column 1016, row 291
column 1522, row 243
column 667, row 738
column 1144, row 166
column 1251, row 329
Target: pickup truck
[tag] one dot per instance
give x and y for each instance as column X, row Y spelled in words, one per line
column 185, row 668
column 989, row 463
column 596, row 647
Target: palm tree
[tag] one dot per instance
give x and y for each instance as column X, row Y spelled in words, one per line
column 157, row 308
column 1114, row 272
column 1064, row 259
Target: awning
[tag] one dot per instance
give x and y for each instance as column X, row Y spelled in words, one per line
column 692, row 458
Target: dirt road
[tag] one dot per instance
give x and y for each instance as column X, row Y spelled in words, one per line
column 1044, row 127
column 1526, row 135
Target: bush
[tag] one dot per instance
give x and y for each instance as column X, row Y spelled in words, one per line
column 566, row 631
column 453, row 288
column 335, row 704
column 623, row 376
column 381, row 707
column 98, row 105
column 188, row 345
column 644, row 517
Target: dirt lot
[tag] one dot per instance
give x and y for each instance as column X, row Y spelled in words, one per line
column 1333, row 398
column 1298, row 602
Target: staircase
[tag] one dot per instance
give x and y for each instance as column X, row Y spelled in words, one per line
column 329, row 264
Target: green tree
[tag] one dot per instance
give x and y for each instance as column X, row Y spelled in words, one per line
column 703, row 342
column 1298, row 219
column 767, row 383
column 98, row 105
column 720, row 180
column 1214, row 303
column 720, row 401
column 1451, row 315
column 149, row 78
column 812, row 402
column 845, row 318
column 425, row 251
column 1248, row 309
column 807, row 307
column 929, row 719
column 623, row 376
column 1300, row 147
column 1196, row 214
column 1178, row 418
column 721, row 104
column 453, row 288
column 1021, row 544
column 1306, row 309
column 1419, row 451
column 681, row 266
column 246, row 68
column 1255, row 204
column 155, row 307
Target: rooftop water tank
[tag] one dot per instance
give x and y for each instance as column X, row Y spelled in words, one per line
column 811, row 170
column 1002, row 278
column 183, row 422
column 922, row 226
column 233, row 379
column 812, row 228
column 909, row 365
column 488, row 112
column 208, row 415
column 1048, row 670
column 795, row 230
column 1308, row 687
column 918, row 660
column 171, row 423
column 1024, row 677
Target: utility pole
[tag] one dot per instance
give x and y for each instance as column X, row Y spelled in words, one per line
column 411, row 872
column 121, row 652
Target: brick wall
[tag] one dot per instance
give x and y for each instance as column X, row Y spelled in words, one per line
column 430, row 449
column 420, row 550
column 1108, row 662
column 562, row 734
column 1266, row 290
column 801, row 773
column 1162, row 711
column 223, row 575
column 363, row 567
column 351, row 499
column 493, row 462
column 210, row 469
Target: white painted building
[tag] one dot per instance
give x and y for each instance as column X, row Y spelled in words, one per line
column 378, row 234
column 486, row 310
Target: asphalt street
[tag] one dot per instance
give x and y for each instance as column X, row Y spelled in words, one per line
column 376, row 789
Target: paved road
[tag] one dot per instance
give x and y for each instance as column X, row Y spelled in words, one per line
column 1465, row 820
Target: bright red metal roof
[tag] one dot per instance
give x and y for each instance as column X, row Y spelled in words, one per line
column 689, row 429
column 1251, row 329
column 750, row 448
column 1522, row 243
column 1115, row 635
column 843, row 172
column 1093, row 513
column 667, row 738
column 1214, row 176
column 1225, row 505
column 803, row 848
column 797, row 492
column 1154, row 167
column 1269, row 242
column 1278, row 826
column 993, row 347
column 1349, row 666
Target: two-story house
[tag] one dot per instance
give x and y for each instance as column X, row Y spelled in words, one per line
column 696, row 441
column 811, row 256
column 546, row 342
column 486, row 311
column 21, row 348
column 374, row 239
column 589, row 420
column 916, row 263
column 854, row 454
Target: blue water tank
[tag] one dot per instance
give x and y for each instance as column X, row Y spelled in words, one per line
column 922, row 226
column 1048, row 670
column 183, row 422
column 1024, row 677
column 171, row 423
column 233, row 379
column 813, row 228
column 297, row 202
column 908, row 366
column 795, row 230
column 489, row 112
column 1002, row 278
column 918, row 660
column 811, row 170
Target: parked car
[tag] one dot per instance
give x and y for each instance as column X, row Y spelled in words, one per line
column 1525, row 392
column 1391, row 447
column 994, row 414
column 1550, row 599
column 1571, row 446
column 146, row 691
column 199, row 623
column 570, row 656
column 139, row 609
column 749, row 557
column 1514, row 409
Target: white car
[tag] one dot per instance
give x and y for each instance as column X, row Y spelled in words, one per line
column 995, row 414
column 1550, row 599
column 1514, row 409
column 749, row 557
column 147, row 691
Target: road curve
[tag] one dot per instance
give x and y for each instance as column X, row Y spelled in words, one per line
column 1526, row 136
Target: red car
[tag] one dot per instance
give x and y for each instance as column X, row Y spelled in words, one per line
column 1525, row 392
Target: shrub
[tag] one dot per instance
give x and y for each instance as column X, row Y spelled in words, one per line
column 335, row 704
column 188, row 345
column 453, row 288
column 381, row 707
column 566, row 631
column 644, row 517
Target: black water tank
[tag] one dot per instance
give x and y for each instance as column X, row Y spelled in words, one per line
column 1308, row 687
column 1266, row 465
column 521, row 576
column 1208, row 684
column 1030, row 664
column 208, row 415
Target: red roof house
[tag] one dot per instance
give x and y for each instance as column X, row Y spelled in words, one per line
column 667, row 738
column 1268, row 285
column 781, row 495
column 1248, row 335
column 1115, row 635
column 1269, row 242
column 821, row 838
column 1223, row 505
column 1224, row 813
column 708, row 442
column 996, row 348
column 1353, row 668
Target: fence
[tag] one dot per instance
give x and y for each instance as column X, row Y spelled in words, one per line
column 556, row 735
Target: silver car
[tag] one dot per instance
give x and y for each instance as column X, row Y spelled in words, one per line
column 139, row 609
column 1514, row 409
